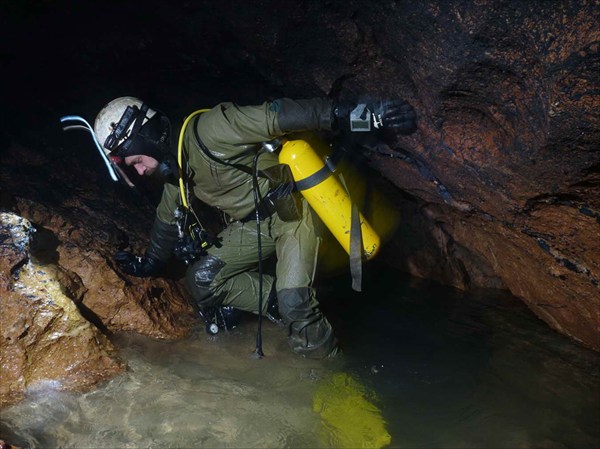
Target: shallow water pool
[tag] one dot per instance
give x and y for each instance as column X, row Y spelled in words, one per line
column 441, row 369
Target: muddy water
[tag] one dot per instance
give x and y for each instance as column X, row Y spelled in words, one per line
column 444, row 369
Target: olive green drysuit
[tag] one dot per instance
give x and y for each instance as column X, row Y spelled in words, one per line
column 227, row 275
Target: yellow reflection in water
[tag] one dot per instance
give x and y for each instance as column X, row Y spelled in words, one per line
column 348, row 418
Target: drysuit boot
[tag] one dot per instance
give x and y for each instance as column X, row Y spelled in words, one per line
column 309, row 332
column 272, row 312
column 220, row 318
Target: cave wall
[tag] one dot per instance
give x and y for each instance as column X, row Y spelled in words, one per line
column 505, row 165
column 499, row 186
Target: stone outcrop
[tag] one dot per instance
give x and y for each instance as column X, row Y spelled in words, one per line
column 61, row 293
column 45, row 342
column 79, row 229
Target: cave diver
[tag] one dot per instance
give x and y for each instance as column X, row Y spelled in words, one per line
column 225, row 160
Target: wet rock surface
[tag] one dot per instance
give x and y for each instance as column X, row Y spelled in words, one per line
column 504, row 169
column 62, row 295
column 499, row 187
column 45, row 342
column 79, row 229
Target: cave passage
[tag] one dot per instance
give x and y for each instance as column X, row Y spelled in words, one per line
column 503, row 173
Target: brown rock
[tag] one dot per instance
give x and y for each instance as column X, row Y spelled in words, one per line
column 152, row 307
column 45, row 342
column 113, row 301
column 501, row 181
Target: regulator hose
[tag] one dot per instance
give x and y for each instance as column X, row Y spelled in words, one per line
column 256, row 193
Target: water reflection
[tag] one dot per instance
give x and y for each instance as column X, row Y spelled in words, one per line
column 445, row 369
column 193, row 393
column 475, row 370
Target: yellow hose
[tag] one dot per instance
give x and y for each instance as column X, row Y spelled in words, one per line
column 180, row 154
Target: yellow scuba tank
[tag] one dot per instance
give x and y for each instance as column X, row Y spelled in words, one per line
column 328, row 198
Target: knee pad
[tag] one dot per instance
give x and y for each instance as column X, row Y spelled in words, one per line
column 199, row 277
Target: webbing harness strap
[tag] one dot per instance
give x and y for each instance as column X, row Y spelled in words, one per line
column 356, row 245
column 322, row 174
column 139, row 120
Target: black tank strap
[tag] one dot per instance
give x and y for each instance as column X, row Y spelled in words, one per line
column 356, row 244
column 323, row 173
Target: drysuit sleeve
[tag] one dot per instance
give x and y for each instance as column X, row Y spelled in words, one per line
column 164, row 233
column 169, row 201
column 230, row 128
column 303, row 115
column 163, row 239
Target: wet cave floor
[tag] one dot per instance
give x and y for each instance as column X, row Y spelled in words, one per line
column 430, row 366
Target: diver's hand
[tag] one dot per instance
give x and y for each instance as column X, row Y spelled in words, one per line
column 139, row 266
column 392, row 115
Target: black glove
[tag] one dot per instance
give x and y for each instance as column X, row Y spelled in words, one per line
column 138, row 266
column 381, row 115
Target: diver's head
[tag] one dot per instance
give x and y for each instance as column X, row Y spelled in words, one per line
column 132, row 133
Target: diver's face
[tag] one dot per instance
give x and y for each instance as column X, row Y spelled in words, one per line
column 144, row 165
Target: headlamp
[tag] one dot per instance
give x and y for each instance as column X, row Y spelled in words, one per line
column 119, row 132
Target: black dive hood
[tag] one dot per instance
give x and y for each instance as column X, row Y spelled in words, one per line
column 150, row 139
column 168, row 167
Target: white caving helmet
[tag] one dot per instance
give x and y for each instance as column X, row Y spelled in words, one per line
column 127, row 126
